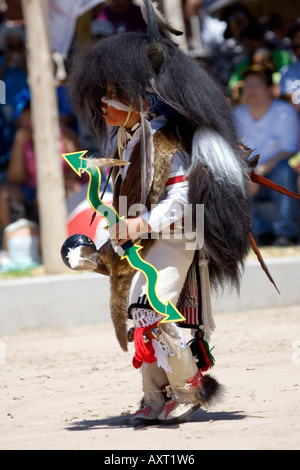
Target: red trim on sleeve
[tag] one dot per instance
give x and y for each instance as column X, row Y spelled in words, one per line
column 175, row 179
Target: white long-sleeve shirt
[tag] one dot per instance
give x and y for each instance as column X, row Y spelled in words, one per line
column 171, row 209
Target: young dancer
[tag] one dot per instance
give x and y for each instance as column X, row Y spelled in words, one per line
column 153, row 106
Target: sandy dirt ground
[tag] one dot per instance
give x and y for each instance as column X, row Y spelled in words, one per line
column 73, row 388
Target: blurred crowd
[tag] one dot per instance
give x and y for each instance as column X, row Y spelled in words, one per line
column 255, row 60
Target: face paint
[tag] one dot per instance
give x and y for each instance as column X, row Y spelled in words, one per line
column 116, row 104
column 116, row 113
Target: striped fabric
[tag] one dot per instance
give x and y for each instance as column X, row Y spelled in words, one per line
column 177, row 180
column 189, row 303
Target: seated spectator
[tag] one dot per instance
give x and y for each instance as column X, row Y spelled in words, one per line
column 290, row 75
column 261, row 56
column 21, row 172
column 123, row 15
column 290, row 85
column 294, row 162
column 21, row 245
column 12, row 11
column 13, row 74
column 6, row 139
column 237, row 17
column 275, row 28
column 271, row 127
column 231, row 52
column 211, row 31
column 252, row 38
column 101, row 29
column 13, row 69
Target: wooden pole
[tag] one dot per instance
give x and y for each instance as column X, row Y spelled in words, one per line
column 50, row 183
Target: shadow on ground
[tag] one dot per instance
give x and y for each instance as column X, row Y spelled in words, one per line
column 125, row 421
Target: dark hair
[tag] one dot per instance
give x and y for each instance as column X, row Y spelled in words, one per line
column 259, row 70
column 253, row 31
column 294, row 30
column 235, row 8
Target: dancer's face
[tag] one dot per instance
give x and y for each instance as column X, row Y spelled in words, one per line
column 114, row 116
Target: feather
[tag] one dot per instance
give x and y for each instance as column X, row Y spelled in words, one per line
column 261, row 261
column 143, row 162
column 100, row 162
column 147, row 159
column 262, row 181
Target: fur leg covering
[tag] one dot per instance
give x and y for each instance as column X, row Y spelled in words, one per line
column 209, row 391
column 119, row 293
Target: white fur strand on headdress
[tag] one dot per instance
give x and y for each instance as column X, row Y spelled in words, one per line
column 213, row 151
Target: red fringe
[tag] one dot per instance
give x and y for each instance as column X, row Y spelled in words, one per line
column 208, row 364
column 143, row 351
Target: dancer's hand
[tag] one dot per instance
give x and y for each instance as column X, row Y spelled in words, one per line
column 128, row 229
